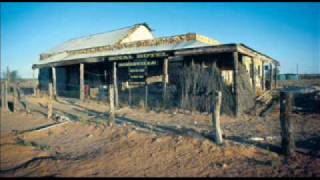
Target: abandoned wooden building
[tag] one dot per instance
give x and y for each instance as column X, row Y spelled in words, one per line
column 179, row 71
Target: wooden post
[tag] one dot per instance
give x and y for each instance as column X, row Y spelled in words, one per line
column 82, row 82
column 275, row 74
column 216, row 117
column 146, row 88
column 2, row 96
column 54, row 82
column 287, row 136
column 111, row 100
column 235, row 82
column 253, row 76
column 115, row 85
column 15, row 103
column 50, row 103
column 165, row 81
column 4, row 102
column 271, row 74
column 6, row 95
column 129, row 94
column 262, row 78
column 35, row 85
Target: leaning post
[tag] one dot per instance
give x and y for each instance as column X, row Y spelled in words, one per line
column 287, row 136
column 216, row 117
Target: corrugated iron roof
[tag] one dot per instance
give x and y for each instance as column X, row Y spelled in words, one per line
column 96, row 40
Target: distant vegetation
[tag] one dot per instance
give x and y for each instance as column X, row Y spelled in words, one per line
column 11, row 75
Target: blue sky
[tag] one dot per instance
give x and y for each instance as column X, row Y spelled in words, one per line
column 288, row 32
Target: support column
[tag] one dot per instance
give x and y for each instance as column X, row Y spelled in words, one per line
column 253, row 75
column 235, row 82
column 116, row 96
column 165, row 80
column 82, row 82
column 54, row 82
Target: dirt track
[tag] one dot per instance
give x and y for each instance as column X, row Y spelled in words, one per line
column 151, row 144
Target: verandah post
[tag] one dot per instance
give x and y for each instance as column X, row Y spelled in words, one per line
column 235, row 82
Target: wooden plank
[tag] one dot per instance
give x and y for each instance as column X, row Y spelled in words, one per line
column 216, row 117
column 287, row 136
column 82, row 82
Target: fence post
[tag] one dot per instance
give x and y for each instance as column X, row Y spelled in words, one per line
column 50, row 101
column 287, row 138
column 216, row 117
column 15, row 104
column 3, row 97
column 111, row 100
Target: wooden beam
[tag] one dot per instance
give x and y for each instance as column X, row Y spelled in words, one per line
column 287, row 136
column 82, row 95
column 236, row 82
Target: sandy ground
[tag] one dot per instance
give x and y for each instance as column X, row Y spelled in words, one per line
column 151, row 144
